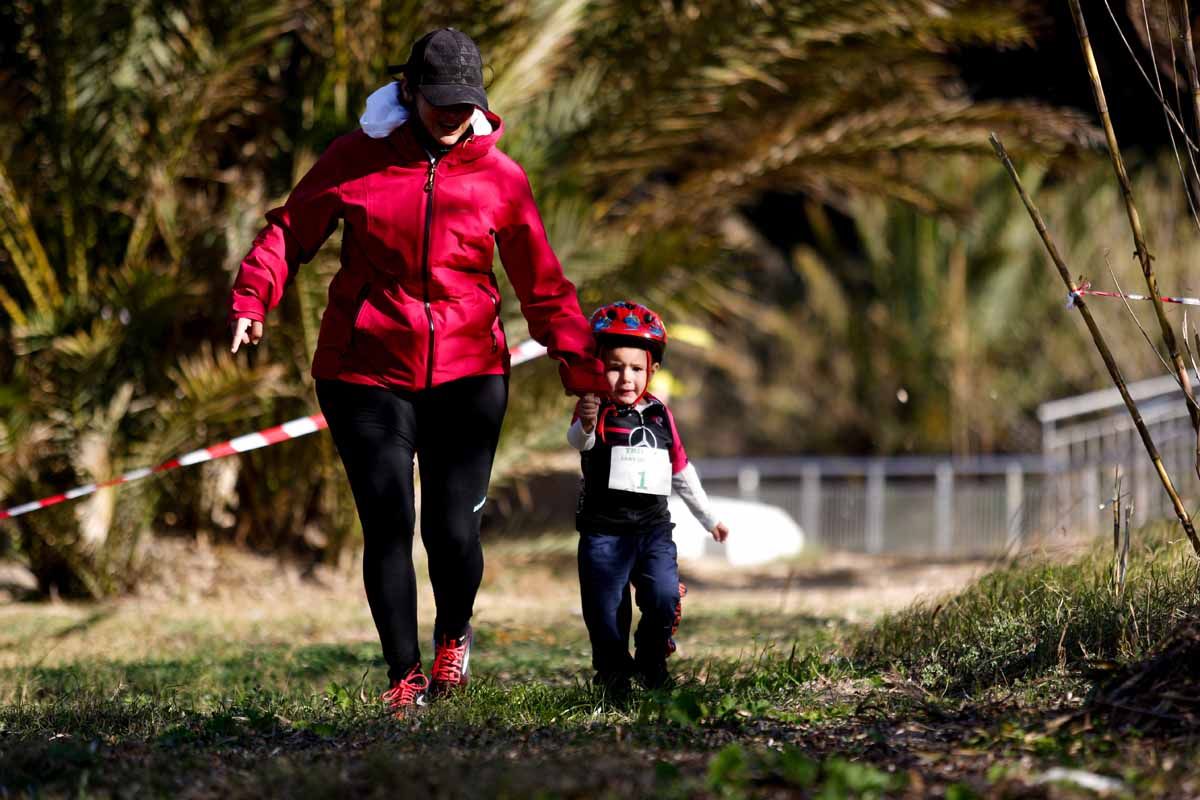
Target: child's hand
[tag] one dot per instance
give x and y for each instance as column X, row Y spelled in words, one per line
column 245, row 331
column 720, row 532
column 589, row 408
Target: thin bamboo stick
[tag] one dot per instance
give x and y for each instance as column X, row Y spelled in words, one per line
column 1116, row 510
column 1123, row 561
column 1098, row 338
column 1135, row 223
column 1189, row 54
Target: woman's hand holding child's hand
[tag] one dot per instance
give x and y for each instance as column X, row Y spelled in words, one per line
column 720, row 532
column 589, row 408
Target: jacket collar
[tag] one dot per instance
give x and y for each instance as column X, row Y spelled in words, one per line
column 470, row 149
column 386, row 117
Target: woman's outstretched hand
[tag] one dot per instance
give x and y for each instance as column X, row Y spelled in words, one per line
column 246, row 331
column 720, row 532
column 589, row 407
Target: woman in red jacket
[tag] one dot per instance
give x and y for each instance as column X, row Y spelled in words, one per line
column 412, row 357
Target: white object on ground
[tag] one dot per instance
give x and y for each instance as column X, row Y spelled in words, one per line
column 1101, row 784
column 758, row 532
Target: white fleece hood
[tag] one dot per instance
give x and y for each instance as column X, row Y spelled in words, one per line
column 384, row 114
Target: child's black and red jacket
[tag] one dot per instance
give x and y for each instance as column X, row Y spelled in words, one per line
column 649, row 423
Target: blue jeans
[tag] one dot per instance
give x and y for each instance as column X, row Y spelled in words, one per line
column 607, row 565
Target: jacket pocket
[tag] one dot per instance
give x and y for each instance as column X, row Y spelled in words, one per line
column 360, row 303
column 495, row 316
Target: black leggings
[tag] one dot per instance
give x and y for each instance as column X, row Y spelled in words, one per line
column 453, row 428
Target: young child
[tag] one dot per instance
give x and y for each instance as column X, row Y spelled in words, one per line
column 632, row 458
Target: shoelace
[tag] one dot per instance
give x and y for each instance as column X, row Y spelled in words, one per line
column 404, row 691
column 448, row 663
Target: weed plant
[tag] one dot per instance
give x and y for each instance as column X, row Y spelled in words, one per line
column 1034, row 616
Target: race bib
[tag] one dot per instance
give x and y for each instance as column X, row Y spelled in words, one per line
column 645, row 470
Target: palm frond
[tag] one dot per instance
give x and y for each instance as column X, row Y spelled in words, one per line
column 529, row 64
column 11, row 307
column 20, row 240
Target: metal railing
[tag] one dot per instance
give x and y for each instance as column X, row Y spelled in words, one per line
column 930, row 506
column 950, row 507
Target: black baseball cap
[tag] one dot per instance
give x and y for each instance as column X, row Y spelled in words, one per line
column 445, row 66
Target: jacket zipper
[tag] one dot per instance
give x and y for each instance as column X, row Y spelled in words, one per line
column 425, row 265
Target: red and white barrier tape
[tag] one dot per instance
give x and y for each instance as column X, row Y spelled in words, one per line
column 1086, row 288
column 525, row 351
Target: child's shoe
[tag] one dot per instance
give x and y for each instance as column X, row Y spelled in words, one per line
column 615, row 685
column 408, row 693
column 655, row 676
column 451, row 663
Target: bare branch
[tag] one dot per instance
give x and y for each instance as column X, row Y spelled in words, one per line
column 1137, row 321
column 1135, row 223
column 1114, row 370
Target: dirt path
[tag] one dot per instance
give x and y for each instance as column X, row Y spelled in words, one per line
column 228, row 593
column 847, row 586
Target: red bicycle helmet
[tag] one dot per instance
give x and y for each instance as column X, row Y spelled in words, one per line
column 627, row 324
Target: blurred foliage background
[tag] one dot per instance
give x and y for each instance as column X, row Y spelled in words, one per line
column 805, row 186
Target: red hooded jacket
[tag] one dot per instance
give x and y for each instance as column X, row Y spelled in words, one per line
column 415, row 303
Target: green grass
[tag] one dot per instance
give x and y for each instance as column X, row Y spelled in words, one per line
column 1033, row 619
column 233, row 698
column 267, row 711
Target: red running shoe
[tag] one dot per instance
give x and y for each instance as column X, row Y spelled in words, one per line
column 407, row 693
column 451, row 663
